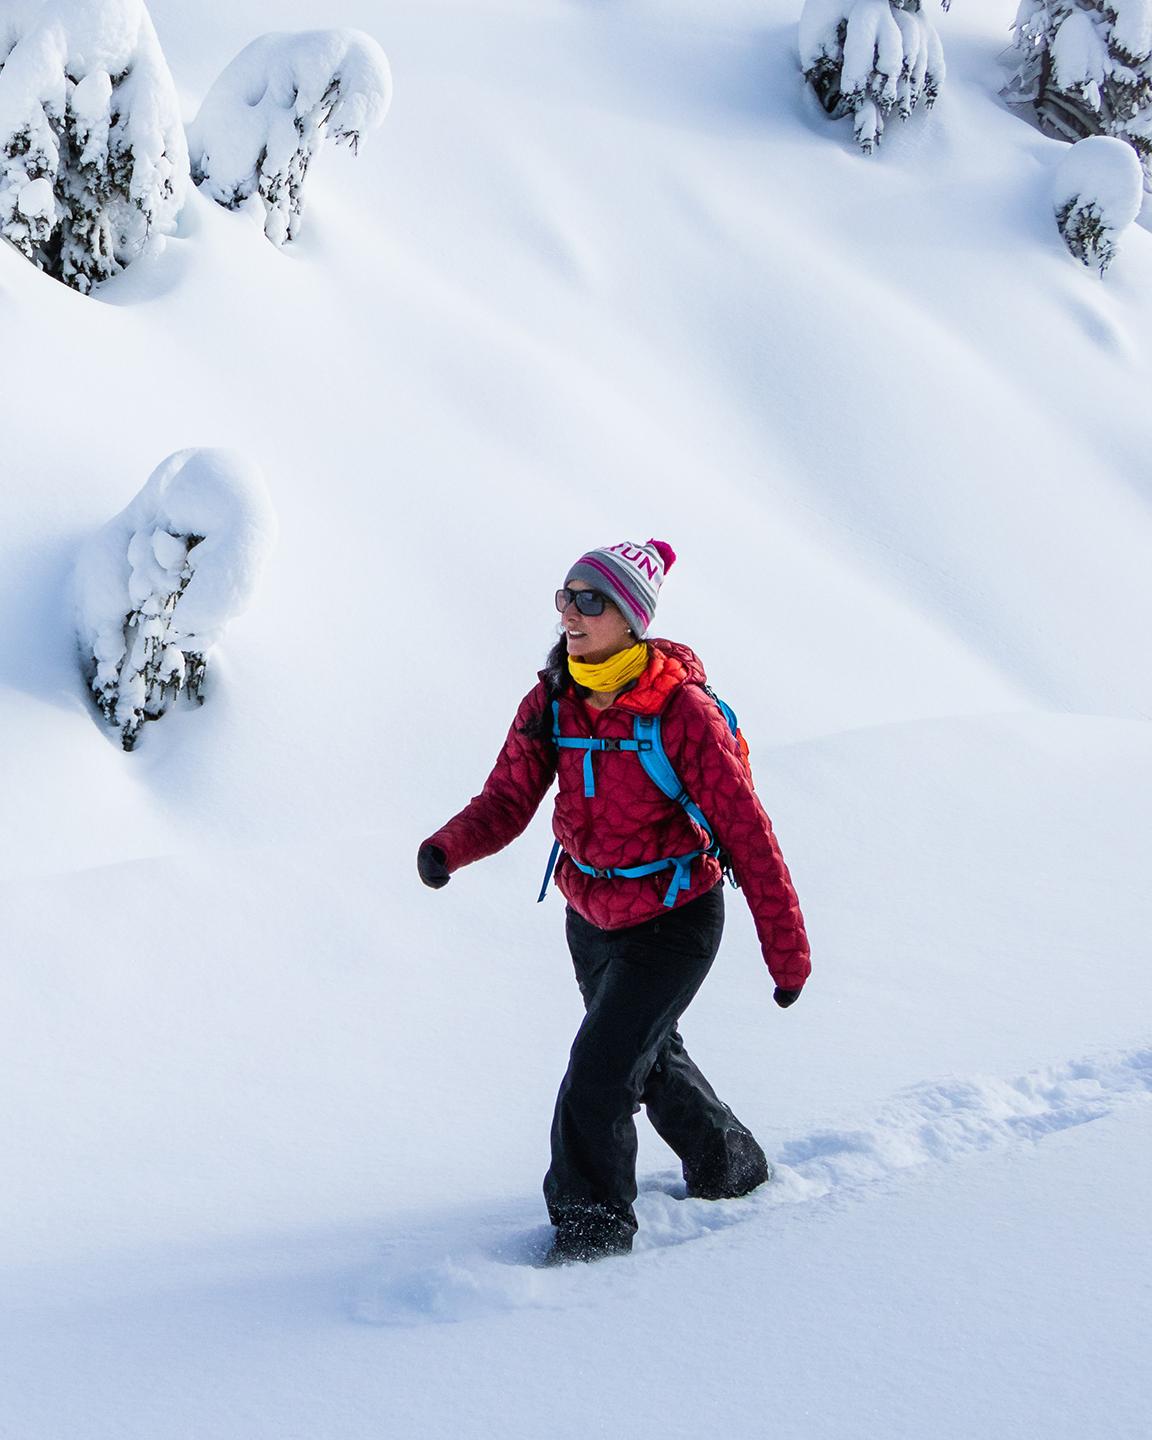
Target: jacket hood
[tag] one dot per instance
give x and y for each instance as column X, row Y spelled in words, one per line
column 670, row 666
column 693, row 665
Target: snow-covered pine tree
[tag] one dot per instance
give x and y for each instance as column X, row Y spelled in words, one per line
column 93, row 158
column 270, row 110
column 157, row 586
column 866, row 58
column 1085, row 67
column 1097, row 192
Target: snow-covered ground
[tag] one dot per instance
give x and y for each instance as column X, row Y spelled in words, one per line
column 276, row 1116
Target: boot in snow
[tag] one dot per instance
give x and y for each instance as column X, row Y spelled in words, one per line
column 735, row 1166
column 592, row 1234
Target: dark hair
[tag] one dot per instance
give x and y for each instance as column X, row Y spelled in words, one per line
column 556, row 681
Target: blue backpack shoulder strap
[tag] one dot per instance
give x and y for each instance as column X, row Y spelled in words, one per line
column 660, row 769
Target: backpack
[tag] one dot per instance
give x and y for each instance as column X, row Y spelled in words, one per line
column 648, row 746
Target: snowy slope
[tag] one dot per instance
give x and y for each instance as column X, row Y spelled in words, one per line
column 278, row 1116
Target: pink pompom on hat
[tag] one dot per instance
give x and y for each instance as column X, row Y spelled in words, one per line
column 630, row 575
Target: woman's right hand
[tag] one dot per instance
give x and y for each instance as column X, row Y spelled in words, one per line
column 432, row 863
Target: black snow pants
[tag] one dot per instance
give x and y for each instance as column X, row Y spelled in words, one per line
column 636, row 984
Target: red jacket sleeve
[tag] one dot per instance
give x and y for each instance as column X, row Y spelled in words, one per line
column 707, row 758
column 520, row 779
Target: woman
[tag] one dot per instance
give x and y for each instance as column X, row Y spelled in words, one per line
column 641, row 943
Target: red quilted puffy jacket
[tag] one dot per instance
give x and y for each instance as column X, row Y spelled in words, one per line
column 630, row 820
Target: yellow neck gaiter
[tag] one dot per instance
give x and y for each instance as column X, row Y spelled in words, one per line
column 614, row 673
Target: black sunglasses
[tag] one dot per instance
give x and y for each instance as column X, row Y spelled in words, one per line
column 588, row 602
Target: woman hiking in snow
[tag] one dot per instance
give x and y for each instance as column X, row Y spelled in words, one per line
column 639, row 869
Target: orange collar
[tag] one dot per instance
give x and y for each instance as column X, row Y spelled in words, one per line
column 663, row 675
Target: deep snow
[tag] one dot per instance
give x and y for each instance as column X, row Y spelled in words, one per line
column 276, row 1115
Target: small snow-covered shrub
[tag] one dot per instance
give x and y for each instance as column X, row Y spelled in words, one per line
column 93, row 158
column 1097, row 192
column 156, row 587
column 270, row 110
column 1085, row 67
column 866, row 58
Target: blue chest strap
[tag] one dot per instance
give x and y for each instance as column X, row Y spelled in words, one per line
column 590, row 746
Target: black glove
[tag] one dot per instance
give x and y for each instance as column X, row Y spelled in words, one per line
column 432, row 865
column 784, row 998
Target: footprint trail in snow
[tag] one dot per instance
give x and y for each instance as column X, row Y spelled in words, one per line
column 453, row 1276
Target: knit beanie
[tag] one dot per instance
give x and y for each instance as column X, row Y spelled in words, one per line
column 630, row 575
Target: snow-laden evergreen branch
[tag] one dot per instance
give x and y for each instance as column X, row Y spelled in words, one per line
column 156, row 587
column 93, row 158
column 270, row 111
column 1097, row 193
column 868, row 58
column 1085, row 66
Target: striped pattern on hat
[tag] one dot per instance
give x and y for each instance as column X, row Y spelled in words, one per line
column 630, row 575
